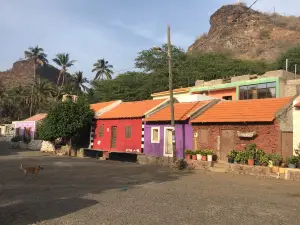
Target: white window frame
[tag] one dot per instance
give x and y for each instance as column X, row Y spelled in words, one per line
column 165, row 141
column 155, row 128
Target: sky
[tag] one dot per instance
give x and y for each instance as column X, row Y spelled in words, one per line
column 115, row 30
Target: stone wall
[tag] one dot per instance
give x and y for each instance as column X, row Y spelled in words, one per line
column 291, row 87
column 35, row 144
column 267, row 138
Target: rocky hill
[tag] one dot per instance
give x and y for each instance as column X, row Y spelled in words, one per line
column 248, row 34
column 21, row 73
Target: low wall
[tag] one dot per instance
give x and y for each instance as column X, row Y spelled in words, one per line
column 161, row 161
column 7, row 138
column 35, row 144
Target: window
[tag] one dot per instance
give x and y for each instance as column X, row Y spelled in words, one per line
column 155, row 138
column 101, row 131
column 254, row 91
column 127, row 132
column 227, row 97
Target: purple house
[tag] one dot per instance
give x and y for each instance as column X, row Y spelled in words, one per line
column 158, row 132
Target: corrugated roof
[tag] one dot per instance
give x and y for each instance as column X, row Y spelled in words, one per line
column 97, row 106
column 182, row 111
column 255, row 110
column 37, row 117
column 178, row 90
column 131, row 109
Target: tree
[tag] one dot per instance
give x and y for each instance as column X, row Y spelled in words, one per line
column 79, row 81
column 293, row 55
column 65, row 120
column 39, row 59
column 63, row 60
column 102, row 68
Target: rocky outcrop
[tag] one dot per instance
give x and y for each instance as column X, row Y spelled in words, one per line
column 248, row 34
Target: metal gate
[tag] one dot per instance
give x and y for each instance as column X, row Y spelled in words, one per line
column 227, row 143
column 286, row 144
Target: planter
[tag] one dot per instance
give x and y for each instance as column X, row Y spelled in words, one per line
column 199, row 157
column 292, row 165
column 209, row 158
column 275, row 169
column 187, row 156
column 230, row 160
column 257, row 163
column 204, row 158
column 251, row 162
column 73, row 152
column 298, row 165
column 282, row 170
column 194, row 157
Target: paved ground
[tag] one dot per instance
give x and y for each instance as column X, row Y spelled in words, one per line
column 87, row 191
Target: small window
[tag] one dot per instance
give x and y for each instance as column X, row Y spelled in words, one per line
column 101, row 131
column 127, row 132
column 227, row 97
column 155, row 138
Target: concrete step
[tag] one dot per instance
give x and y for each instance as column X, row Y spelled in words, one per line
column 218, row 170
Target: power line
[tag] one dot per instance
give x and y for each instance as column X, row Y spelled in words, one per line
column 213, row 36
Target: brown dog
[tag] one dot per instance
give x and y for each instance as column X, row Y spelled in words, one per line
column 33, row 170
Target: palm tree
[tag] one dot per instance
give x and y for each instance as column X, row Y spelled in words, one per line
column 102, row 68
column 47, row 93
column 79, row 82
column 63, row 60
column 39, row 58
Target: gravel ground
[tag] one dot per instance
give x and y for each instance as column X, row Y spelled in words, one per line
column 88, row 191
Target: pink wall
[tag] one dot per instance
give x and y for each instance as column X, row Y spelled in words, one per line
column 27, row 124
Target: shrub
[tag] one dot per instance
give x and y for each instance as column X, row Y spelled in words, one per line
column 293, row 160
column 264, row 34
column 16, row 139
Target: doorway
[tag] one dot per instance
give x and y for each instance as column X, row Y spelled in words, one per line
column 113, row 143
column 168, row 144
column 227, row 143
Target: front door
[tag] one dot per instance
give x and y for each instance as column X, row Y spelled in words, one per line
column 168, row 142
column 227, row 143
column 113, row 143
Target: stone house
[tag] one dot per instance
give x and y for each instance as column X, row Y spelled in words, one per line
column 234, row 124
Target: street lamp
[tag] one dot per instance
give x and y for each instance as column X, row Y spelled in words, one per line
column 171, row 91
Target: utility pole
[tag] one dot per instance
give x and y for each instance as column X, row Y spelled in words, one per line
column 286, row 64
column 171, row 94
column 295, row 71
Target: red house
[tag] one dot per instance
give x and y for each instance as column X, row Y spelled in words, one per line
column 121, row 129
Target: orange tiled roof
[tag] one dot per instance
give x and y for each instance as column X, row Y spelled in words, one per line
column 37, row 117
column 97, row 106
column 131, row 109
column 178, row 90
column 256, row 110
column 182, row 111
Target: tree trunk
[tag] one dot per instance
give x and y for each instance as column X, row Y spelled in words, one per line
column 70, row 143
column 32, row 88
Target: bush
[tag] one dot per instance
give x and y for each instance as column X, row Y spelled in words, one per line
column 293, row 160
column 264, row 34
column 16, row 139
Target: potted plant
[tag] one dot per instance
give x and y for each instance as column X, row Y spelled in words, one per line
column 204, row 155
column 293, row 161
column 209, row 153
column 264, row 160
column 231, row 156
column 199, row 155
column 250, row 158
column 194, row 155
column 259, row 153
column 187, row 154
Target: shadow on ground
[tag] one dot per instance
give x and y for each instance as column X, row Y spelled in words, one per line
column 64, row 185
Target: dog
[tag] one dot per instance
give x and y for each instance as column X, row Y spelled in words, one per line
column 31, row 170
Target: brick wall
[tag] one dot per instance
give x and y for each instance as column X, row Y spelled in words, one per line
column 268, row 136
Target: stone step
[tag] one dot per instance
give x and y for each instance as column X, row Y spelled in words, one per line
column 218, row 170
column 221, row 165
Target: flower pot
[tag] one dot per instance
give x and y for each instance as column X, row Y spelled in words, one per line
column 251, row 162
column 292, row 165
column 230, row 160
column 257, row 163
column 209, row 158
column 199, row 157
column 282, row 170
column 298, row 165
column 187, row 156
column 194, row 157
column 204, row 158
column 275, row 169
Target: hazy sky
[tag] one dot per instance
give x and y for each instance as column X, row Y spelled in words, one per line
column 116, row 29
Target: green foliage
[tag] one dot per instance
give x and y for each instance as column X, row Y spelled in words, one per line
column 293, row 54
column 293, row 160
column 16, row 139
column 232, row 154
column 66, row 120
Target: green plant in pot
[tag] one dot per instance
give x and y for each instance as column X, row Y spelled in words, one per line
column 264, row 160
column 276, row 159
column 199, row 155
column 293, row 161
column 259, row 153
column 210, row 154
column 187, row 154
column 204, row 155
column 194, row 155
column 250, row 159
column 231, row 156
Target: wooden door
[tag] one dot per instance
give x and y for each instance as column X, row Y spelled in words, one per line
column 168, row 143
column 286, row 144
column 113, row 143
column 227, row 143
